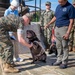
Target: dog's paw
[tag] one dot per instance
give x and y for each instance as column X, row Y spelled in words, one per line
column 50, row 51
column 44, row 61
column 52, row 64
column 32, row 62
column 30, row 58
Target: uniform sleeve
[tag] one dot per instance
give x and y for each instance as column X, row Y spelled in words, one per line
column 41, row 18
column 20, row 23
column 2, row 20
column 53, row 13
column 20, row 28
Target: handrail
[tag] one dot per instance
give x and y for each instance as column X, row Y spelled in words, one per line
column 5, row 5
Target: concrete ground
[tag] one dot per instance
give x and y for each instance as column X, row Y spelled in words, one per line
column 39, row 68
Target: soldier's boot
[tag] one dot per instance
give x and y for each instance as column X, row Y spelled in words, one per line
column 74, row 49
column 1, row 66
column 13, row 65
column 70, row 48
column 7, row 68
column 0, row 61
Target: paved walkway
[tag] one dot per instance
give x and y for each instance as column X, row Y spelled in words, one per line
column 40, row 68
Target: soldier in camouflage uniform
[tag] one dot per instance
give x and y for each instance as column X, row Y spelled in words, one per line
column 46, row 16
column 74, row 29
column 11, row 23
column 72, row 34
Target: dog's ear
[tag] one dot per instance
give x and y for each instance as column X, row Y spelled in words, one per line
column 33, row 33
column 35, row 36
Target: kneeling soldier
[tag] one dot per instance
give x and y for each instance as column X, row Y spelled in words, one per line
column 11, row 23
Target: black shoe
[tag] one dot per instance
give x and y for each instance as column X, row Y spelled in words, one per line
column 63, row 66
column 57, row 63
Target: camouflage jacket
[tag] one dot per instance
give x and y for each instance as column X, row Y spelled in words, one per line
column 46, row 17
column 9, row 23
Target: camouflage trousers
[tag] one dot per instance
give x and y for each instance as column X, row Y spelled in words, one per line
column 47, row 37
column 72, row 37
column 6, row 52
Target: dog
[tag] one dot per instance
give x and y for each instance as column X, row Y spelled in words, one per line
column 38, row 54
column 53, row 49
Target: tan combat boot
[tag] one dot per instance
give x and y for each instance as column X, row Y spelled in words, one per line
column 70, row 48
column 1, row 66
column 74, row 49
column 7, row 68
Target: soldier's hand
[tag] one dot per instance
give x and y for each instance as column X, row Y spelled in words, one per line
column 46, row 26
column 31, row 45
column 42, row 27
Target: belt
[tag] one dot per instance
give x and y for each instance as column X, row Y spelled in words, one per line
column 61, row 26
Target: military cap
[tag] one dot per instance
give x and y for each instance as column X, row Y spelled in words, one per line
column 29, row 15
column 48, row 3
column 73, row 1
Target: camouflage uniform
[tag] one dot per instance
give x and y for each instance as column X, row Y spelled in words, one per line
column 74, row 29
column 8, row 24
column 72, row 36
column 45, row 18
column 71, row 39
